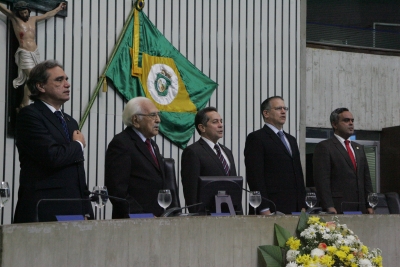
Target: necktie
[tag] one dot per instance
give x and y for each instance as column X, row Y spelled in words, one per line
column 64, row 124
column 351, row 155
column 222, row 159
column 148, row 144
column 282, row 137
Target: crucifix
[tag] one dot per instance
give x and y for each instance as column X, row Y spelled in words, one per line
column 23, row 45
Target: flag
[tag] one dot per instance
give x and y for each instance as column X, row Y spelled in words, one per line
column 147, row 64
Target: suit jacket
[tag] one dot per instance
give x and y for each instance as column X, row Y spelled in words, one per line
column 271, row 170
column 51, row 166
column 132, row 174
column 336, row 180
column 199, row 159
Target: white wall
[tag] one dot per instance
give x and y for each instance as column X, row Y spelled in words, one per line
column 366, row 84
column 252, row 49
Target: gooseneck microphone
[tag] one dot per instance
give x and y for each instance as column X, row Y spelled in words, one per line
column 96, row 196
column 169, row 212
column 268, row 200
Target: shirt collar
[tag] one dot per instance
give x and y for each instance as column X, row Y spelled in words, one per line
column 273, row 128
column 341, row 139
column 51, row 107
column 140, row 134
column 209, row 142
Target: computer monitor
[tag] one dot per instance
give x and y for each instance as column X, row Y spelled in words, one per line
column 208, row 187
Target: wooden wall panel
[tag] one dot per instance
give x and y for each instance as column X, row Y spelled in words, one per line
column 250, row 48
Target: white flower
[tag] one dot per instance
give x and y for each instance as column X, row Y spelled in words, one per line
column 317, row 252
column 291, row 264
column 365, row 263
column 291, row 255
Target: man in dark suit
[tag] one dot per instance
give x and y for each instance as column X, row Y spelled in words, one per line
column 203, row 158
column 272, row 160
column 341, row 172
column 134, row 168
column 50, row 150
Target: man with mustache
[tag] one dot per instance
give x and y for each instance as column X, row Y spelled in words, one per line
column 134, row 168
column 27, row 55
column 341, row 172
column 272, row 161
column 50, row 148
column 206, row 157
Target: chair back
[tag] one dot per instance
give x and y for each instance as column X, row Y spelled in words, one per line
column 170, row 181
column 382, row 207
column 393, row 202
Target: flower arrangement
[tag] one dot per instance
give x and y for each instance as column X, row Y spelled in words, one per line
column 320, row 244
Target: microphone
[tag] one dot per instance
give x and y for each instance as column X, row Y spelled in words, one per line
column 169, row 212
column 55, row 200
column 96, row 197
column 268, row 200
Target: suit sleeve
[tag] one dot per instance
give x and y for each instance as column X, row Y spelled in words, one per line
column 254, row 160
column 38, row 142
column 322, row 174
column 190, row 171
column 117, row 175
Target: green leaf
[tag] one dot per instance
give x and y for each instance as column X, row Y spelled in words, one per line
column 302, row 222
column 272, row 255
column 282, row 235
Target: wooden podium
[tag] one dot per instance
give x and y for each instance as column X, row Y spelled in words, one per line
column 178, row 241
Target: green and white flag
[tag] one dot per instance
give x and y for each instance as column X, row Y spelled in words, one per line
column 147, row 64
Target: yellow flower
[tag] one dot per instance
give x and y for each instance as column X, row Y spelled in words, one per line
column 293, row 243
column 313, row 220
column 331, row 250
column 364, row 249
column 341, row 255
column 326, row 260
column 345, row 249
column 377, row 261
column 354, row 264
column 350, row 257
column 305, row 259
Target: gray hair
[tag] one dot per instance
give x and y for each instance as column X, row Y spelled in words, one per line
column 40, row 75
column 133, row 107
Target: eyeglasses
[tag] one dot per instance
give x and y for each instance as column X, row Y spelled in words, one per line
column 348, row 120
column 151, row 115
column 279, row 108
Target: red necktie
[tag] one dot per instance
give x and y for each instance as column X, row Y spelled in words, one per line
column 148, row 144
column 351, row 155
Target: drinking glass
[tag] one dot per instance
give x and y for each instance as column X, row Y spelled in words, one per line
column 164, row 198
column 255, row 200
column 311, row 200
column 4, row 193
column 101, row 197
column 373, row 199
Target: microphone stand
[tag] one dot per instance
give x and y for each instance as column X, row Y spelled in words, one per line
column 170, row 211
column 108, row 196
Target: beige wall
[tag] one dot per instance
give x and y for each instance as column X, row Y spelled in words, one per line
column 366, row 84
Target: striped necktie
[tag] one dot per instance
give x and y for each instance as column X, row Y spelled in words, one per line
column 282, row 137
column 64, row 124
column 222, row 159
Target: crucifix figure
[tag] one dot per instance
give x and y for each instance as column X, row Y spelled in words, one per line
column 27, row 55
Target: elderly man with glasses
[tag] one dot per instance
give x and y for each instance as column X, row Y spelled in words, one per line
column 134, row 168
column 272, row 161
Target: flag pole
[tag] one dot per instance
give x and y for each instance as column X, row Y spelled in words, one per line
column 103, row 76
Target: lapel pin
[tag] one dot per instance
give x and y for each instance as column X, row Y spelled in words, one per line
column 357, row 148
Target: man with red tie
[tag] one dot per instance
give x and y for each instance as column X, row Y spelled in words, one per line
column 134, row 168
column 341, row 173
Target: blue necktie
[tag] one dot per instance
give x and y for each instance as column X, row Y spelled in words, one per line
column 282, row 137
column 64, row 124
column 222, row 159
